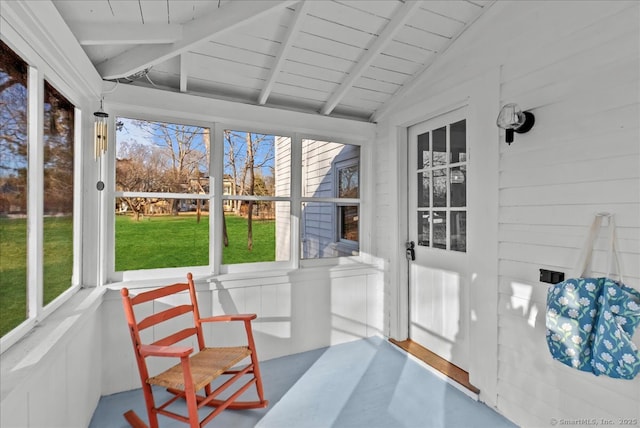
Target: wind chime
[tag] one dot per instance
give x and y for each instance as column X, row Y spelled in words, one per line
column 100, row 140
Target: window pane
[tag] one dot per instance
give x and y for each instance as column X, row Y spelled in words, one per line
column 423, row 228
column 424, row 155
column 458, row 179
column 348, row 186
column 261, row 237
column 440, row 229
column 161, row 157
column 459, row 231
column 439, row 187
column 321, row 162
column 423, row 189
column 149, row 235
column 13, row 189
column 58, row 193
column 250, row 163
column 319, row 237
column 440, row 146
column 349, row 220
column 459, row 141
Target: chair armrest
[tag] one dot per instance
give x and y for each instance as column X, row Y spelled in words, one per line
column 226, row 318
column 165, row 351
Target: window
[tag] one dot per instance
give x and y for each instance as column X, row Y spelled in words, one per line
column 37, row 262
column 330, row 199
column 58, row 193
column 162, row 195
column 442, row 191
column 168, row 175
column 13, row 189
column 256, row 205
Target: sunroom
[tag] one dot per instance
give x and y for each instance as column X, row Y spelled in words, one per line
column 336, row 167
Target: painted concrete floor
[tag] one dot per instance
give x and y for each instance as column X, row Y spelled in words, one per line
column 367, row 383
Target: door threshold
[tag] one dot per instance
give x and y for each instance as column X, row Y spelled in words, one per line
column 448, row 369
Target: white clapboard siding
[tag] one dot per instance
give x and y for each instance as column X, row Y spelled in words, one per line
column 576, row 66
column 552, row 181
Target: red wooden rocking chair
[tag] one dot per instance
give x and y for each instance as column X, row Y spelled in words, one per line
column 195, row 371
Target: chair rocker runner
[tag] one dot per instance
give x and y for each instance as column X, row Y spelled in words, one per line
column 195, row 371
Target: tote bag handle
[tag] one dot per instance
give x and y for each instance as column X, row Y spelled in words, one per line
column 582, row 268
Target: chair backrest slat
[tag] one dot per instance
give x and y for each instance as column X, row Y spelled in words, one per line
column 164, row 316
column 176, row 337
column 158, row 293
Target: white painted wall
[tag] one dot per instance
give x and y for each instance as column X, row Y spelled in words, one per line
column 576, row 66
column 298, row 310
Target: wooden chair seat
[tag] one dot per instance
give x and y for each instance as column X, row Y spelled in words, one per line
column 206, row 366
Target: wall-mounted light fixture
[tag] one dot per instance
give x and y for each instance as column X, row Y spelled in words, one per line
column 511, row 119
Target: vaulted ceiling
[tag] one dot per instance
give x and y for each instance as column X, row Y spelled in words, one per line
column 344, row 58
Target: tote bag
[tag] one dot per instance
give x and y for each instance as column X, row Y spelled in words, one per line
column 590, row 320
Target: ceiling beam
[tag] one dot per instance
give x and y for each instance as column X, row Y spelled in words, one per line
column 184, row 71
column 387, row 34
column 294, row 27
column 125, row 34
column 228, row 17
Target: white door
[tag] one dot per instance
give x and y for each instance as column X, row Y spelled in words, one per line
column 437, row 209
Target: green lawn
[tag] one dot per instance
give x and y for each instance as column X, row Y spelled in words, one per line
column 153, row 242
column 174, row 241
column 58, row 266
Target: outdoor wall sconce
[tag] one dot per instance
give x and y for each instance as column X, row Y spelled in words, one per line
column 511, row 119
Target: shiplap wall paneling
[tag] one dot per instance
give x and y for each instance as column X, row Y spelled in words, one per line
column 581, row 158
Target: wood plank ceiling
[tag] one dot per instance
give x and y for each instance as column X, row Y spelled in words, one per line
column 344, row 58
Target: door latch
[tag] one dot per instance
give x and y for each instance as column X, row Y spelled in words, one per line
column 410, row 252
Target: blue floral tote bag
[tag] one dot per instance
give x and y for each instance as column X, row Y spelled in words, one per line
column 590, row 321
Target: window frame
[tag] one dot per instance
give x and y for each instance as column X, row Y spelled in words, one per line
column 38, row 71
column 344, row 164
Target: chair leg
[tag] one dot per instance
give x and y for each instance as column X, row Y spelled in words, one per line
column 134, row 420
column 150, row 404
column 254, row 361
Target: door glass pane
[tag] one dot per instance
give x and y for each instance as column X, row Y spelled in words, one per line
column 424, row 156
column 423, row 189
column 439, row 187
column 440, row 146
column 458, row 231
column 423, row 228
column 58, row 193
column 459, row 141
column 440, row 229
column 13, row 189
column 458, row 189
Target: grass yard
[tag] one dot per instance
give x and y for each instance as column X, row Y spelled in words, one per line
column 174, row 241
column 153, row 242
column 57, row 270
